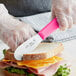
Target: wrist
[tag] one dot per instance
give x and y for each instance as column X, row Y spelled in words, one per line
column 3, row 14
column 3, row 10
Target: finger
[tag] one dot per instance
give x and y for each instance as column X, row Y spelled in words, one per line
column 11, row 44
column 26, row 34
column 70, row 21
column 14, row 39
column 74, row 17
column 69, row 17
column 20, row 37
column 5, row 37
column 31, row 32
column 8, row 39
column 53, row 14
column 63, row 23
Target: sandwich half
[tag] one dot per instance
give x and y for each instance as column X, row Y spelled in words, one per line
column 45, row 60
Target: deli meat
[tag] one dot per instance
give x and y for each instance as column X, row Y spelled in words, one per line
column 10, row 64
column 49, row 71
column 45, row 71
column 3, row 65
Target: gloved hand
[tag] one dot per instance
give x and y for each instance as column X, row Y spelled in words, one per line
column 12, row 31
column 65, row 12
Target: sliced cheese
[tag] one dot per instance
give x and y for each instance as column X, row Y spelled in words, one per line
column 37, row 63
column 9, row 60
column 40, row 63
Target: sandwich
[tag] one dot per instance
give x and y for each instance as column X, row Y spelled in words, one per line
column 45, row 60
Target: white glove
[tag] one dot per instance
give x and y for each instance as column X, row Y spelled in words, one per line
column 65, row 12
column 12, row 31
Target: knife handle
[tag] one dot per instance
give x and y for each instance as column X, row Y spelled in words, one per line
column 49, row 28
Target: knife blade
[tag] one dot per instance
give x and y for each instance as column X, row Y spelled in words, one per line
column 34, row 41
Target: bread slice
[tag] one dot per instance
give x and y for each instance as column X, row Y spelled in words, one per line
column 43, row 51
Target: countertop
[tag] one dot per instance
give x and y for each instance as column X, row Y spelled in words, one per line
column 70, row 51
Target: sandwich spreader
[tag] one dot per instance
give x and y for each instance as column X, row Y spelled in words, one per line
column 34, row 41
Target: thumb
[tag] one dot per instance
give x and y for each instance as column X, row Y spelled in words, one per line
column 53, row 14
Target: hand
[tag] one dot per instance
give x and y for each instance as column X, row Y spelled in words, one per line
column 12, row 31
column 65, row 12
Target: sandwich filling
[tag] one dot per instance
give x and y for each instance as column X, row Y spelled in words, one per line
column 37, row 63
column 45, row 67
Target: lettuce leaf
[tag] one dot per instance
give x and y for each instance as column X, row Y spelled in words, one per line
column 62, row 71
column 4, row 51
column 19, row 71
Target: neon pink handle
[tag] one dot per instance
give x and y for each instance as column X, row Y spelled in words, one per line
column 49, row 28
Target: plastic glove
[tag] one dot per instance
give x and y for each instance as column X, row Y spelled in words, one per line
column 12, row 31
column 65, row 12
